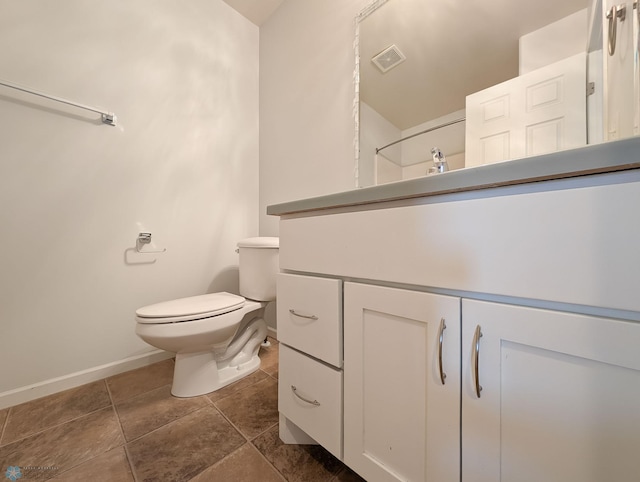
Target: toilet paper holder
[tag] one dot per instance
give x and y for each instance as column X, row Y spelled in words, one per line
column 145, row 238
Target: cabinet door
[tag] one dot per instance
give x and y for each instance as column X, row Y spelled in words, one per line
column 400, row 421
column 559, row 398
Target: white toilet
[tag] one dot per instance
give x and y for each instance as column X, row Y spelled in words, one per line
column 216, row 337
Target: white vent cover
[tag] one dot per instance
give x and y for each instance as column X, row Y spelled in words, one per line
column 388, row 58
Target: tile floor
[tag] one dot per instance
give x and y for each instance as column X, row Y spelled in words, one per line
column 129, row 428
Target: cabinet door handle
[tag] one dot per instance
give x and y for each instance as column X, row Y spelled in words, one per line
column 312, row 402
column 308, row 317
column 443, row 327
column 475, row 352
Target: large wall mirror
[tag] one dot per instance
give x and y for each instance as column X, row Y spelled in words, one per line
column 488, row 81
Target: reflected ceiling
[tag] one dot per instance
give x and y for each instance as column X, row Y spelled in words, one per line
column 453, row 48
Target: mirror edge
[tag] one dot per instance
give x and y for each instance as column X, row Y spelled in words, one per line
column 364, row 13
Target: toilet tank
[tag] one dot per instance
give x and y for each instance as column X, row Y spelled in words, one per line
column 258, row 267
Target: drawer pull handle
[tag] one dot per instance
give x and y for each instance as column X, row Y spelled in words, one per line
column 474, row 359
column 308, row 317
column 443, row 327
column 312, row 402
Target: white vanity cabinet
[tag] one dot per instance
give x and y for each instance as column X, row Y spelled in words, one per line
column 401, row 384
column 556, row 398
column 539, row 289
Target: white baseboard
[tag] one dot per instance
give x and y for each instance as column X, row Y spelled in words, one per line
column 272, row 332
column 55, row 385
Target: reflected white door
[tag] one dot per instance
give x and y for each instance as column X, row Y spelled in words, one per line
column 536, row 113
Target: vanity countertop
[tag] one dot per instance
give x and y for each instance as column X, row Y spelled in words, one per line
column 595, row 159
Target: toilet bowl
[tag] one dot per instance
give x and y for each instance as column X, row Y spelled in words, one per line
column 216, row 337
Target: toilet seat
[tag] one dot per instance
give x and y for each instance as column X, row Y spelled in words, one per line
column 190, row 309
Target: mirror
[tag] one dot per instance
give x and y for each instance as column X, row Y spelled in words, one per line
column 468, row 65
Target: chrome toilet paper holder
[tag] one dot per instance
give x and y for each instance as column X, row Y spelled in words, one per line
column 145, row 238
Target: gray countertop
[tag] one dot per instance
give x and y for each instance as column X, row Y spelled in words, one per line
column 595, row 159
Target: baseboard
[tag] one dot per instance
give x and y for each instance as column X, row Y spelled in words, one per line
column 55, row 385
column 272, row 332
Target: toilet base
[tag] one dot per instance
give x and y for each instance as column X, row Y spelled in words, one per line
column 198, row 373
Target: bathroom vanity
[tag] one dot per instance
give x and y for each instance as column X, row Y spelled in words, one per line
column 477, row 325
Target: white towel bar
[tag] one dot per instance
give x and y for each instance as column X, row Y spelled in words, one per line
column 107, row 117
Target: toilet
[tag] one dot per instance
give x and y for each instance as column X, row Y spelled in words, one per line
column 216, row 337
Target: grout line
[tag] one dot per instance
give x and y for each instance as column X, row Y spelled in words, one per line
column 231, row 423
column 128, row 456
column 4, row 425
column 57, row 424
column 240, row 390
column 264, row 431
column 128, row 399
column 336, row 477
column 68, row 469
column 125, row 444
column 115, row 410
column 267, row 461
column 146, row 391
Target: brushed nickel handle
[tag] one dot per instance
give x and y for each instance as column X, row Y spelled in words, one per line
column 312, row 402
column 474, row 359
column 615, row 13
column 308, row 317
column 443, row 327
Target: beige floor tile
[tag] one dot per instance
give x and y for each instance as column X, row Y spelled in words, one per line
column 151, row 410
column 38, row 415
column 141, row 380
column 184, row 448
column 254, row 409
column 244, row 465
column 298, row 463
column 112, row 466
column 170, row 439
column 64, row 446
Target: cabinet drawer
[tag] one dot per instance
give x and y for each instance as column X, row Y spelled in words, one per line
column 321, row 385
column 310, row 316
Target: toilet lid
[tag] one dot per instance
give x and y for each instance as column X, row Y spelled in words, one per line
column 194, row 307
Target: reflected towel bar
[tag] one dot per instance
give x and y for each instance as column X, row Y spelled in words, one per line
column 106, row 117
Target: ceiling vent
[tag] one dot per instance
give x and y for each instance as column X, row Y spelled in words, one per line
column 388, row 58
